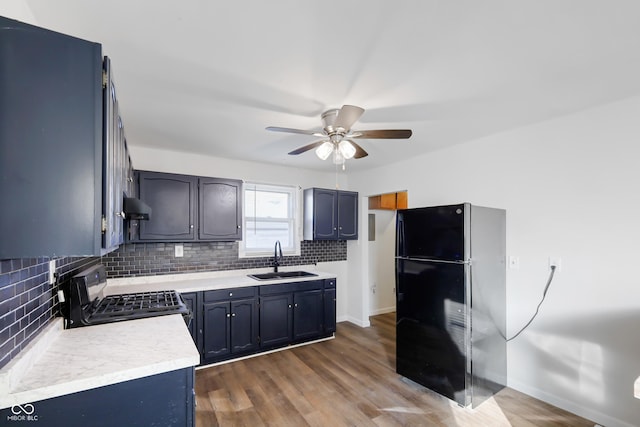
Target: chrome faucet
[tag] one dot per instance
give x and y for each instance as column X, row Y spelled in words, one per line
column 277, row 250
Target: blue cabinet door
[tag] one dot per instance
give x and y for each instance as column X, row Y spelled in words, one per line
column 220, row 209
column 276, row 320
column 347, row 215
column 172, row 199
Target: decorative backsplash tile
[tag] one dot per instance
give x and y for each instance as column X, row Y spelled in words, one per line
column 144, row 259
column 27, row 301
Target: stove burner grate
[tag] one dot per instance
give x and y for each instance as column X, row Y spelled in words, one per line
column 141, row 302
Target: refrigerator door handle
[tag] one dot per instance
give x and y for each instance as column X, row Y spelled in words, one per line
column 444, row 261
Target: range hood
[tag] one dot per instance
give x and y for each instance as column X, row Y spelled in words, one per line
column 135, row 209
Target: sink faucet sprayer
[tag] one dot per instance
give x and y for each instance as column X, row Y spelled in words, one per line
column 277, row 250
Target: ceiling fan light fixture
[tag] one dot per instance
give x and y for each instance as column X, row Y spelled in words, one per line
column 325, row 150
column 347, row 149
column 338, row 138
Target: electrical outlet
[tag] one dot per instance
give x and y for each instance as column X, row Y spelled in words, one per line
column 179, row 251
column 557, row 261
column 514, row 262
column 52, row 271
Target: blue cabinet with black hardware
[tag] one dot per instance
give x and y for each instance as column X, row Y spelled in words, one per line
column 190, row 208
column 229, row 323
column 234, row 322
column 330, row 214
column 293, row 312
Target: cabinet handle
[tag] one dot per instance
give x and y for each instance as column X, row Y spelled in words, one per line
column 230, row 294
column 295, row 305
column 289, row 305
column 191, row 226
column 233, row 315
column 239, row 226
column 228, row 315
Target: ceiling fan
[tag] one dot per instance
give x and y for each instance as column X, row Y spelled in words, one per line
column 337, row 135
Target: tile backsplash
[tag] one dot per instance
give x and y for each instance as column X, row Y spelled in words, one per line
column 27, row 301
column 143, row 259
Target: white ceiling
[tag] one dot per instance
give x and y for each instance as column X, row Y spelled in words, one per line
column 208, row 76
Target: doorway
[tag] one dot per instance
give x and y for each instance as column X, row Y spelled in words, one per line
column 382, row 243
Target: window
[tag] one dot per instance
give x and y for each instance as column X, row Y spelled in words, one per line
column 271, row 212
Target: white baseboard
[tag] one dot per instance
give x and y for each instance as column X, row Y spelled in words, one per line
column 570, row 406
column 358, row 322
column 383, row 310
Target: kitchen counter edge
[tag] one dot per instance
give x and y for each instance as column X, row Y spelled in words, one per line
column 65, row 361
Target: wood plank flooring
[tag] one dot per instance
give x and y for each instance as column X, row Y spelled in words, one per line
column 349, row 381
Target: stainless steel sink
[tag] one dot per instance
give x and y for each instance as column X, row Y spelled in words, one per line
column 280, row 275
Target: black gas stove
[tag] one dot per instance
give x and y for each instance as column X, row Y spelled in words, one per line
column 87, row 305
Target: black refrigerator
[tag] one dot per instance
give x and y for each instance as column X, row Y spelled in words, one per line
column 451, row 300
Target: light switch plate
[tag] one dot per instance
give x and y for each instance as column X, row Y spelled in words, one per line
column 179, row 251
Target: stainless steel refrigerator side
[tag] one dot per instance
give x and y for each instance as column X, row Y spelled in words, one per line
column 468, row 398
column 488, row 347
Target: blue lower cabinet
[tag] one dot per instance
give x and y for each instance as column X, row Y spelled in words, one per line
column 235, row 322
column 165, row 399
column 276, row 320
column 229, row 323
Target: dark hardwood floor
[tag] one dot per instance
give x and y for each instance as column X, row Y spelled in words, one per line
column 349, row 381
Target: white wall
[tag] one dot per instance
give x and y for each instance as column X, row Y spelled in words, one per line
column 382, row 278
column 18, row 10
column 145, row 158
column 571, row 188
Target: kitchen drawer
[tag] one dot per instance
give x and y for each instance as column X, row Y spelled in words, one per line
column 227, row 294
column 280, row 288
column 329, row 283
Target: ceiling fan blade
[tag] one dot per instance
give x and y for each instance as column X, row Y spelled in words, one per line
column 360, row 153
column 382, row 134
column 307, row 147
column 347, row 116
column 300, row 131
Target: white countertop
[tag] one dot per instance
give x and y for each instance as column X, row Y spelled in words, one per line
column 63, row 361
column 210, row 280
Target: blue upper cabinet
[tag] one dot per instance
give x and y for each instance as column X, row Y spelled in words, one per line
column 51, row 146
column 330, row 214
column 190, row 208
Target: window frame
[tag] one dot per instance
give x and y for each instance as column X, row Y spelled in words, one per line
column 295, row 208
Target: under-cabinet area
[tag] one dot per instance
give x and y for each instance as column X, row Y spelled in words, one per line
column 235, row 322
